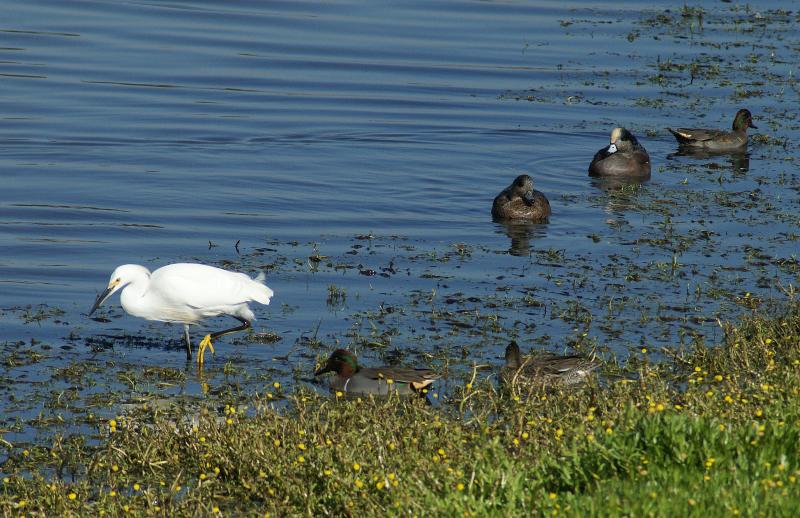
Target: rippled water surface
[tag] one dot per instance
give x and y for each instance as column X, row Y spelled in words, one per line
column 352, row 150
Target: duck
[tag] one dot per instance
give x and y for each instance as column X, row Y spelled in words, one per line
column 717, row 140
column 550, row 369
column 521, row 202
column 623, row 157
column 353, row 379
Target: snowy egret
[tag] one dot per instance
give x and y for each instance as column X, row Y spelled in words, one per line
column 186, row 294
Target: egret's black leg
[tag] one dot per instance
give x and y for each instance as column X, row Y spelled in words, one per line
column 245, row 325
column 188, row 341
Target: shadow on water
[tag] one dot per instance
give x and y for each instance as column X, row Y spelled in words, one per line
column 521, row 234
column 737, row 161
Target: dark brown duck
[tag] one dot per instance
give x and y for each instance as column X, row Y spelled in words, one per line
column 624, row 157
column 520, row 201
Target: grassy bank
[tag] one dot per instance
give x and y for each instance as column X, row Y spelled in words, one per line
column 714, row 432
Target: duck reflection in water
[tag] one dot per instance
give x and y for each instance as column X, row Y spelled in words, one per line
column 738, row 161
column 521, row 234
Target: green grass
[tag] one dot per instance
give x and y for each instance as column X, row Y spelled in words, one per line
column 714, row 432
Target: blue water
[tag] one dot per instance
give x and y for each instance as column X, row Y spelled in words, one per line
column 161, row 132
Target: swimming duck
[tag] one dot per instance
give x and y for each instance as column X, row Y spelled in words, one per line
column 378, row 381
column 623, row 157
column 520, row 201
column 717, row 140
column 549, row 369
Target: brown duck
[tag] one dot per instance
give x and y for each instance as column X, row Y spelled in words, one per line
column 624, row 157
column 549, row 369
column 717, row 140
column 520, row 201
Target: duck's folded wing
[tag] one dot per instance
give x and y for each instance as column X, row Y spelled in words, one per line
column 417, row 378
column 697, row 134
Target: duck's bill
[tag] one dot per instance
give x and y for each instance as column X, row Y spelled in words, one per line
column 612, row 148
column 753, row 125
column 322, row 370
column 100, row 299
column 528, row 197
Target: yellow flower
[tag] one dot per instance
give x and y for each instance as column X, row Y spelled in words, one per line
column 327, row 472
column 644, row 350
column 468, row 386
column 389, row 381
column 202, row 477
column 72, row 496
column 358, row 483
column 276, row 385
column 380, row 485
column 276, row 442
column 301, row 459
column 136, row 487
column 301, row 446
column 459, row 487
column 114, row 468
column 356, row 466
column 718, row 377
column 339, row 393
column 229, row 421
column 440, row 451
column 525, row 435
column 660, row 407
column 552, row 496
column 215, row 509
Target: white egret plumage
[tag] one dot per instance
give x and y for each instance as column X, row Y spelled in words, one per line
column 187, row 293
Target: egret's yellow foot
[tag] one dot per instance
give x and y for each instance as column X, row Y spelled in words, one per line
column 201, row 349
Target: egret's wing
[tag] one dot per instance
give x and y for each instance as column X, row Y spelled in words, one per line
column 201, row 287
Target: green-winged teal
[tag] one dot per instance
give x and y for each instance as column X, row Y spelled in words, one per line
column 379, row 381
column 623, row 157
column 549, row 369
column 717, row 140
column 520, row 201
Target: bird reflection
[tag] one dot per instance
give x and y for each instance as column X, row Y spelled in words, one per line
column 738, row 161
column 521, row 233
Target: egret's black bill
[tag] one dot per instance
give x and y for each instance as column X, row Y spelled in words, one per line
column 100, row 299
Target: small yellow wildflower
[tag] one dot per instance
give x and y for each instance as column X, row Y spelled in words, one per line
column 552, row 496
column 327, row 472
column 301, row 446
column 276, row 385
column 301, row 459
column 72, row 496
column 276, row 442
column 459, row 487
column 356, row 466
column 358, row 483
column 339, row 393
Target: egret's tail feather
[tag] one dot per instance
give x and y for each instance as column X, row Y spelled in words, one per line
column 261, row 292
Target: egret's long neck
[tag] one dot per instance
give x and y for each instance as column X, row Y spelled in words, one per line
column 132, row 297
